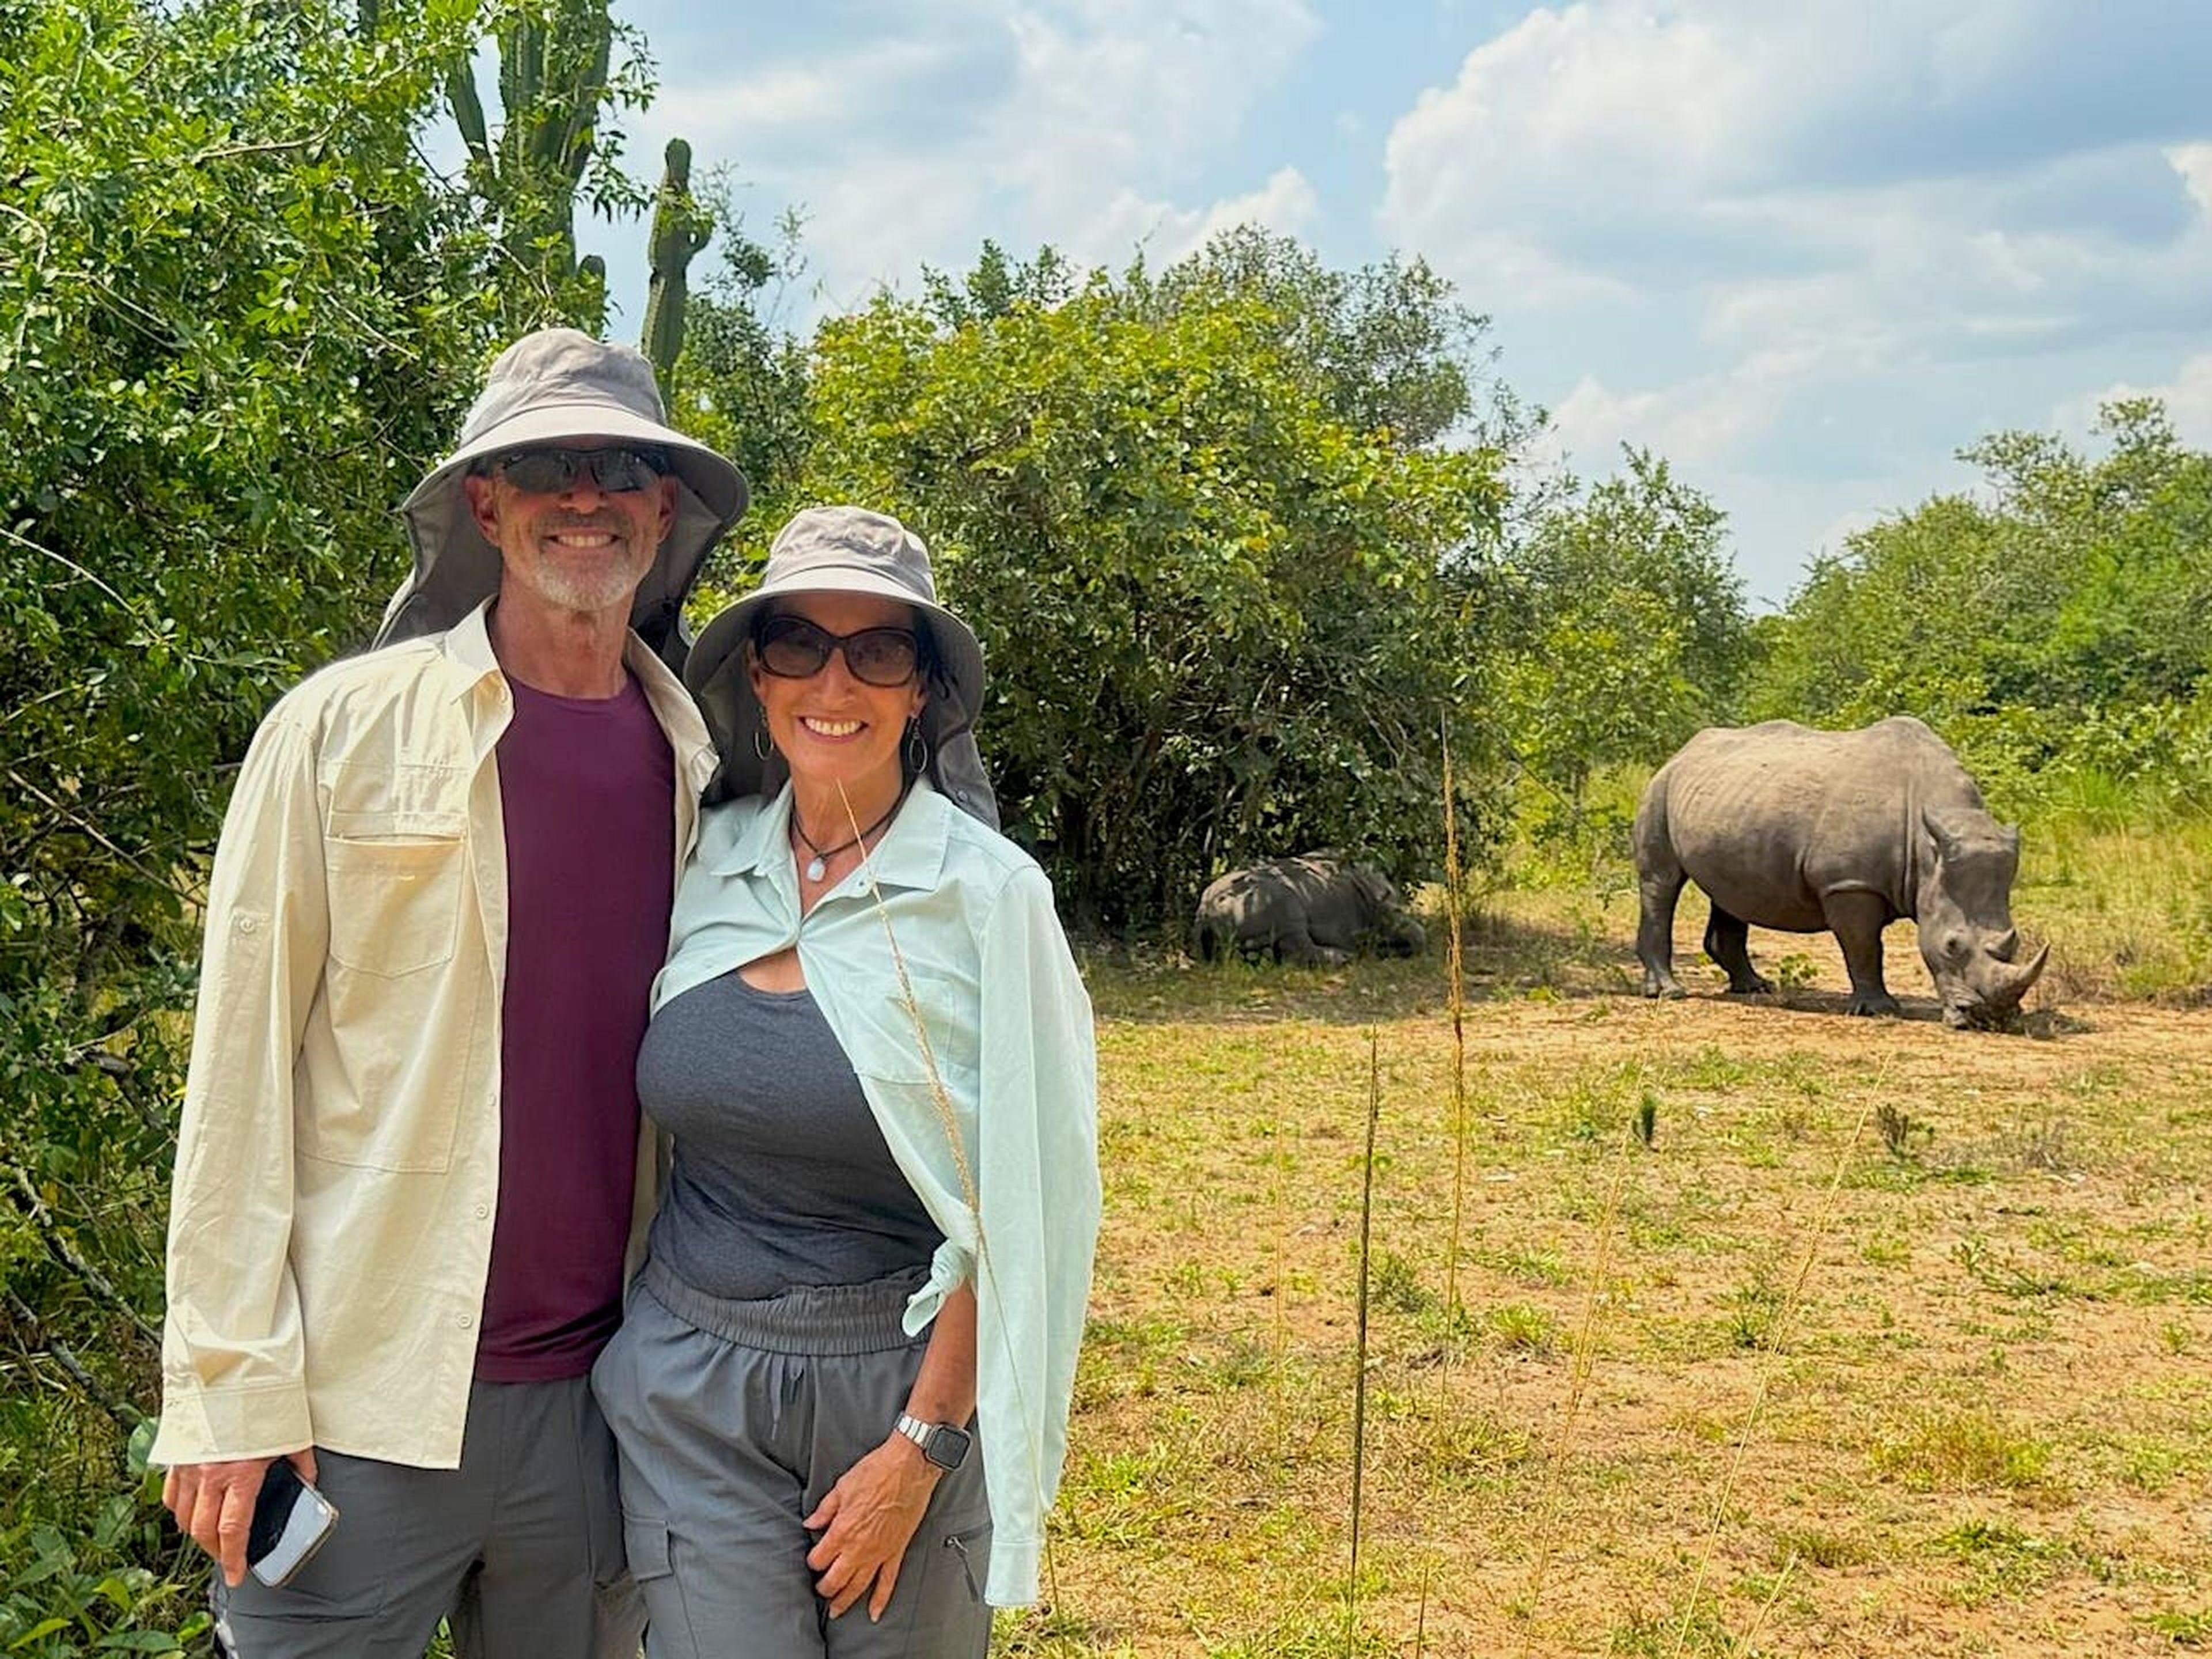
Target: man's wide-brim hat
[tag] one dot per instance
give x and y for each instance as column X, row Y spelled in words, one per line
column 829, row 549
column 560, row 386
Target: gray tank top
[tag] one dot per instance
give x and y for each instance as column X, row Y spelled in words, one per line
column 782, row 1177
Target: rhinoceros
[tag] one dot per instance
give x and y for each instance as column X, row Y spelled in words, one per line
column 1318, row 908
column 1847, row 831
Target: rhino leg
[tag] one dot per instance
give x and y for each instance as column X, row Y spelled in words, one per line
column 1728, row 941
column 1856, row 919
column 1657, row 893
column 1298, row 945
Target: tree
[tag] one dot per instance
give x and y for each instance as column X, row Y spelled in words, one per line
column 2050, row 621
column 1209, row 600
column 1627, row 624
column 237, row 320
column 1387, row 348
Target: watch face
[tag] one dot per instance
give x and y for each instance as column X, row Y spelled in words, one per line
column 947, row 1447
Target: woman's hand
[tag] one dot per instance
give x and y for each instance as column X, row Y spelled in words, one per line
column 866, row 1522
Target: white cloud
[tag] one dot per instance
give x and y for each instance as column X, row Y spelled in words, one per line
column 783, row 111
column 1088, row 123
column 2187, row 396
column 1806, row 252
column 1814, row 249
column 1698, row 424
column 1120, row 90
column 1286, row 203
column 2194, row 163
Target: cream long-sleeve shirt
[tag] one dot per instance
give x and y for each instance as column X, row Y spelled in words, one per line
column 1012, row 1178
column 337, row 1163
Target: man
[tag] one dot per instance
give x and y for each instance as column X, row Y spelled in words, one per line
column 411, row 1167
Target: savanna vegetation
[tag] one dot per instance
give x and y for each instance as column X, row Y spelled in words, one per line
column 1247, row 546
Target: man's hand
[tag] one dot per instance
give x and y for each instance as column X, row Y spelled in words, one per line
column 214, row 1504
column 867, row 1520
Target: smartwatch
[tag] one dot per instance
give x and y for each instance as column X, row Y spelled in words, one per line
column 941, row 1443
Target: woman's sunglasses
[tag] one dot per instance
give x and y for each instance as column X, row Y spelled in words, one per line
column 552, row 471
column 793, row 648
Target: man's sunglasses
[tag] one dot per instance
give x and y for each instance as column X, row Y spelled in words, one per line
column 552, row 471
column 793, row 648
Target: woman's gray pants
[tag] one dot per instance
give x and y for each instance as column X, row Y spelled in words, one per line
column 733, row 1419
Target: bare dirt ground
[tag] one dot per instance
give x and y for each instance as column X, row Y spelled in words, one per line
column 1890, row 1340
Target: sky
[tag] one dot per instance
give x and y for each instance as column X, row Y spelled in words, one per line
column 1806, row 252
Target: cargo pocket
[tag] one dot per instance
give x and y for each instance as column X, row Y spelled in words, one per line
column 971, row 1552
column 646, row 1541
column 646, row 1538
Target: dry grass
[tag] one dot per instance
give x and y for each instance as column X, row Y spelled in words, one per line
column 1950, row 1395
column 2129, row 915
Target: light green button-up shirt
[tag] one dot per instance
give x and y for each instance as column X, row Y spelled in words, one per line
column 982, row 991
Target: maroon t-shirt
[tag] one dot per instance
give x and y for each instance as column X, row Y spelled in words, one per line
column 586, row 788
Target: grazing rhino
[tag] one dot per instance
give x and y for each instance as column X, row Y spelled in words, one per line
column 1318, row 908
column 1801, row 830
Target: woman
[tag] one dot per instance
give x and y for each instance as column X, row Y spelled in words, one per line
column 842, row 1381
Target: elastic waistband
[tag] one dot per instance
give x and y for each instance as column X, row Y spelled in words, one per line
column 815, row 1319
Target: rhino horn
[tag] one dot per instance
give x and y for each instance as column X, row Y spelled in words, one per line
column 2014, row 980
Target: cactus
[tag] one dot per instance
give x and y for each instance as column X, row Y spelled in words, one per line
column 680, row 228
column 554, row 59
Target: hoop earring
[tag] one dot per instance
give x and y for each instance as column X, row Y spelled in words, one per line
column 761, row 747
column 917, row 747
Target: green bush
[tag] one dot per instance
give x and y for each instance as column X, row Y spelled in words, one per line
column 1211, row 603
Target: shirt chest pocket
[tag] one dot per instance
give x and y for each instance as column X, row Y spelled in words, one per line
column 395, row 865
column 921, row 1085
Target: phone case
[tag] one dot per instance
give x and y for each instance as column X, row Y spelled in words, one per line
column 291, row 1520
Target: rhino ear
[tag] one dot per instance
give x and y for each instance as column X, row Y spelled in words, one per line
column 1943, row 828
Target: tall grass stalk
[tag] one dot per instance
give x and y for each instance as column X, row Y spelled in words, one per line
column 1579, row 1375
column 1359, row 1381
column 941, row 1100
column 1747, row 1644
column 1456, row 973
column 1776, row 1333
column 1282, row 1284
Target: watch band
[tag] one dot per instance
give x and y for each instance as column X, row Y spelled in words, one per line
column 942, row 1444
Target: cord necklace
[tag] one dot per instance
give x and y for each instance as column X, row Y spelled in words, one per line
column 819, row 863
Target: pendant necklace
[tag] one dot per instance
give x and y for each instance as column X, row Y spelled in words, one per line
column 820, row 862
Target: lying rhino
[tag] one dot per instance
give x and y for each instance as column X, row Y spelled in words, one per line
column 1801, row 830
column 1318, row 908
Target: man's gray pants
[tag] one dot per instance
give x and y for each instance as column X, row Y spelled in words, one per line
column 734, row 1419
column 520, row 1547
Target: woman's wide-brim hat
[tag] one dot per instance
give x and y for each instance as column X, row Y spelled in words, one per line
column 829, row 549
column 560, row 385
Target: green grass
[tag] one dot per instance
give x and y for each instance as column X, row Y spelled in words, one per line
column 1866, row 1382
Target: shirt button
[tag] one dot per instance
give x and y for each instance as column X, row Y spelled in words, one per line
column 483, row 1210
column 463, row 1320
column 247, row 923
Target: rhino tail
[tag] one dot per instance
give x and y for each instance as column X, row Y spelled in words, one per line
column 1205, row 938
column 1652, row 841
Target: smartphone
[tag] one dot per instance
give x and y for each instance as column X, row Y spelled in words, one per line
column 291, row 1520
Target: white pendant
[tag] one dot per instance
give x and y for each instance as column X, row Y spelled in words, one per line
column 814, row 870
